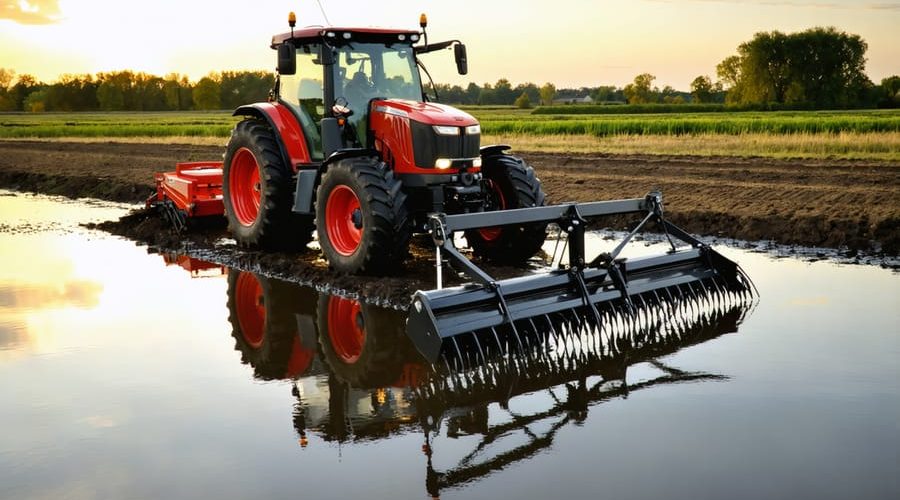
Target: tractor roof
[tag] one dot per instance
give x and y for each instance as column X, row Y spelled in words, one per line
column 313, row 33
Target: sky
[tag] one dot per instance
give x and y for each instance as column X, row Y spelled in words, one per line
column 571, row 43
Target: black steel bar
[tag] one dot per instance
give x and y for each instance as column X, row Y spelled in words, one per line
column 552, row 213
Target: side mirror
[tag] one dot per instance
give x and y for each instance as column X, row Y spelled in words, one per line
column 462, row 63
column 287, row 59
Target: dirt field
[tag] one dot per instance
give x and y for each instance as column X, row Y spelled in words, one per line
column 815, row 202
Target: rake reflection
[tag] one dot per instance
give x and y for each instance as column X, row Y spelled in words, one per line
column 357, row 377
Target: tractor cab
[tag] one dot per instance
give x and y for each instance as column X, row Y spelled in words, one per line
column 335, row 80
column 345, row 68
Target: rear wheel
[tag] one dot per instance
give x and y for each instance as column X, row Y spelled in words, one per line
column 362, row 218
column 509, row 183
column 258, row 191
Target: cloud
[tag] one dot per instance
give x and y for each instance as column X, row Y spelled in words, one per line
column 799, row 3
column 30, row 11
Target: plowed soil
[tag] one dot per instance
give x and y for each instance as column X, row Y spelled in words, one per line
column 805, row 202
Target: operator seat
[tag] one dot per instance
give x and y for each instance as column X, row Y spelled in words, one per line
column 357, row 91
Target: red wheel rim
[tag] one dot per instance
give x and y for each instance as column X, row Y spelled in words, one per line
column 346, row 328
column 244, row 186
column 301, row 358
column 340, row 210
column 493, row 233
column 251, row 309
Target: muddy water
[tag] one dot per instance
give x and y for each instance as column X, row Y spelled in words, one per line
column 125, row 374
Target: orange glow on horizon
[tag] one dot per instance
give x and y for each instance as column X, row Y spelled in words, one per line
column 569, row 43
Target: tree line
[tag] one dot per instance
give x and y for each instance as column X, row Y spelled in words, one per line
column 132, row 91
column 816, row 69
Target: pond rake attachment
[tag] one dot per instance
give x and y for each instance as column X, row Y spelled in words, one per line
column 597, row 299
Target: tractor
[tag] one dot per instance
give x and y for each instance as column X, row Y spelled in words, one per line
column 350, row 147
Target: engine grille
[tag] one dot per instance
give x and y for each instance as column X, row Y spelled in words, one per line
column 428, row 145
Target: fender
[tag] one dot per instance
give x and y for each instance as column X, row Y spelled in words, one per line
column 348, row 153
column 493, row 150
column 288, row 134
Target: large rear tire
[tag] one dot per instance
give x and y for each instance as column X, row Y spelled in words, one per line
column 362, row 218
column 258, row 192
column 510, row 183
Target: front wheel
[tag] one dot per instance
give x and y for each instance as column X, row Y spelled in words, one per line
column 361, row 217
column 509, row 183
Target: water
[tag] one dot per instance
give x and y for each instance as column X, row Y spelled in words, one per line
column 124, row 377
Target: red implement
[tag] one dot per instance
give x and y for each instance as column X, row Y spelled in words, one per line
column 194, row 189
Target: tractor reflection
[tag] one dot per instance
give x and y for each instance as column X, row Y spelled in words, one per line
column 356, row 377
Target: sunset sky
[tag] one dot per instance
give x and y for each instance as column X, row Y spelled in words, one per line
column 568, row 42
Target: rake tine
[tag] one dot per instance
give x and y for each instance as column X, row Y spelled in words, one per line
column 456, row 346
column 497, row 339
column 478, row 345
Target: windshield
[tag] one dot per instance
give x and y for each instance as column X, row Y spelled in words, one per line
column 368, row 70
column 362, row 71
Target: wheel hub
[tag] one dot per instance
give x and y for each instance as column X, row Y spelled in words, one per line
column 245, row 187
column 344, row 220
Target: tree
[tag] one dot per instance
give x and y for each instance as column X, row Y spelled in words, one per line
column 7, row 102
column 548, row 92
column 821, row 67
column 523, row 102
column 116, row 91
column 640, row 91
column 25, row 85
column 473, row 93
column 530, row 89
column 36, row 102
column 703, row 89
column 177, row 90
column 729, row 73
column 486, row 95
column 604, row 93
column 503, row 92
column 206, row 94
column 890, row 90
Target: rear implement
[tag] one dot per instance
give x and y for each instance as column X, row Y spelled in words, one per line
column 193, row 190
column 491, row 318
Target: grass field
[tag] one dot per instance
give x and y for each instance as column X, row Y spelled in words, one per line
column 867, row 134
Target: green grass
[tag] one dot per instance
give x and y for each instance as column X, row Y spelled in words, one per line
column 126, row 124
column 637, row 109
column 815, row 133
column 731, row 123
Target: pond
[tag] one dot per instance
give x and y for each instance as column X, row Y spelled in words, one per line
column 125, row 373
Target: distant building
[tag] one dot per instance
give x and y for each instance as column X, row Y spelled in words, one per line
column 573, row 100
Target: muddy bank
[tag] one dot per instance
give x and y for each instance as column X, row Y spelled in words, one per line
column 308, row 268
column 803, row 202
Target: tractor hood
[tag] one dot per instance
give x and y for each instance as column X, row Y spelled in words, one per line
column 425, row 112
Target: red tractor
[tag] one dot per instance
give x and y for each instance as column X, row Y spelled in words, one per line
column 350, row 146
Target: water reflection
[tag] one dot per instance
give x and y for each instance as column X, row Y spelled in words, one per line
column 356, row 377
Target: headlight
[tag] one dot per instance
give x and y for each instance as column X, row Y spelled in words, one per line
column 476, row 162
column 473, row 129
column 445, row 130
column 443, row 163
